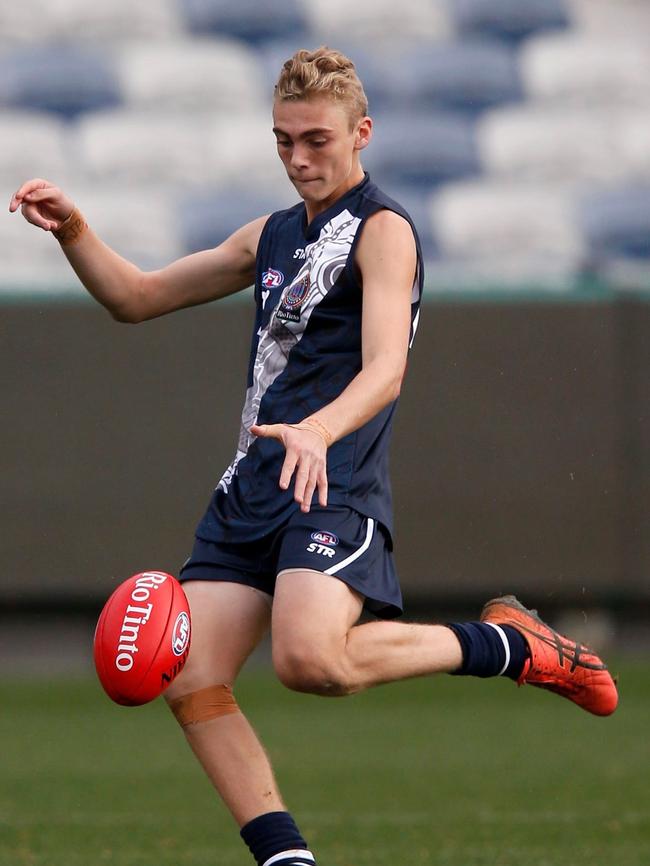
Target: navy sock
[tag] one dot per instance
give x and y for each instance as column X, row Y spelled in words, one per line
column 490, row 650
column 273, row 835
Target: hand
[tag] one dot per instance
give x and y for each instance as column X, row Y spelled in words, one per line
column 306, row 453
column 42, row 204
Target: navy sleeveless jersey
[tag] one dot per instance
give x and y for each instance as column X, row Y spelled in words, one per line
column 306, row 349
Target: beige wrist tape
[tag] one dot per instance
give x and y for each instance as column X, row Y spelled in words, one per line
column 70, row 231
column 203, row 705
column 315, row 426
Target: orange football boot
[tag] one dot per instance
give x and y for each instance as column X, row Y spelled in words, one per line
column 556, row 663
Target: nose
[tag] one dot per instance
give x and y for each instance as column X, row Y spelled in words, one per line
column 299, row 157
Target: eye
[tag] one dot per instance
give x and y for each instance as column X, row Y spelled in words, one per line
column 320, row 142
column 281, row 142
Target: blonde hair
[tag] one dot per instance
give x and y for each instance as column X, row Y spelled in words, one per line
column 322, row 72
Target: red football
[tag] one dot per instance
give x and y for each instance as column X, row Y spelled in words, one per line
column 142, row 638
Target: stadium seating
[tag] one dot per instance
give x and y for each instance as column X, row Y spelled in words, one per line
column 421, row 149
column 62, row 79
column 467, row 75
column 77, row 21
column 371, row 21
column 616, row 222
column 250, row 20
column 564, row 143
column 145, row 232
column 506, row 229
column 207, row 218
column 629, row 19
column 513, row 131
column 587, row 69
column 508, row 19
column 195, row 74
column 23, row 135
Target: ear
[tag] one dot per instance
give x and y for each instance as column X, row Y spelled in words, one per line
column 363, row 133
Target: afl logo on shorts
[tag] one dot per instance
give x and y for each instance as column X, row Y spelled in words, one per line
column 325, row 538
column 181, row 634
column 272, row 279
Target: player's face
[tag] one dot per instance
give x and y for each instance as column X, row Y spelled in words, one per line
column 320, row 148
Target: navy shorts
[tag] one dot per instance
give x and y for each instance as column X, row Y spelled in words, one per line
column 336, row 540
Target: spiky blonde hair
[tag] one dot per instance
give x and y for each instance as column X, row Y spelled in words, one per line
column 323, row 72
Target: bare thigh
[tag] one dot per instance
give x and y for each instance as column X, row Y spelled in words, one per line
column 228, row 622
column 312, row 617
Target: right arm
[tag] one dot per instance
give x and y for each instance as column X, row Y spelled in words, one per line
column 128, row 293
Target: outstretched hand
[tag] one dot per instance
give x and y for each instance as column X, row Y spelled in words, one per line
column 42, row 203
column 306, row 452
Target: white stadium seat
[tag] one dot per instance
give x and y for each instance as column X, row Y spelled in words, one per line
column 508, row 228
column 145, row 231
column 33, row 145
column 563, row 143
column 79, row 20
column 195, row 74
column 618, row 18
column 31, row 259
column 588, row 69
column 372, row 20
column 241, row 150
column 135, row 147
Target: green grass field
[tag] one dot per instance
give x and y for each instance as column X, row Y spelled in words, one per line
column 445, row 771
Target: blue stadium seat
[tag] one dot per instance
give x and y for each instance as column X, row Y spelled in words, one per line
column 423, row 149
column 417, row 203
column 616, row 222
column 251, row 20
column 207, row 219
column 468, row 75
column 66, row 80
column 509, row 19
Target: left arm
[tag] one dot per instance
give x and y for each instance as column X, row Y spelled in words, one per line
column 386, row 258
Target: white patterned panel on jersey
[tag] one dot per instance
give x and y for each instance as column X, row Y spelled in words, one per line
column 324, row 262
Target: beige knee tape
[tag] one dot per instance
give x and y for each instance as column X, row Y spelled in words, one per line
column 203, row 705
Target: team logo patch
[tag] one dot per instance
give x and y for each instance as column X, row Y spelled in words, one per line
column 325, row 538
column 181, row 634
column 292, row 298
column 272, row 279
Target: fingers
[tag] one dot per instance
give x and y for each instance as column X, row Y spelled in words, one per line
column 310, row 461
column 271, row 431
column 288, row 467
column 28, row 187
column 33, row 215
column 305, row 458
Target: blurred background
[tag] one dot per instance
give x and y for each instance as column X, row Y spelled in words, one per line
column 517, row 133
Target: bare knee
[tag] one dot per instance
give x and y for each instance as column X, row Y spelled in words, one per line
column 304, row 669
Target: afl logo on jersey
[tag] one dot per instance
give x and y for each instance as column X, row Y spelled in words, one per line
column 272, row 279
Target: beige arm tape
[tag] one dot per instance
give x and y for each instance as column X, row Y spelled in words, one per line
column 71, row 229
column 203, row 705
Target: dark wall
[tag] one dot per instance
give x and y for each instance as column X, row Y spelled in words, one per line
column 520, row 458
